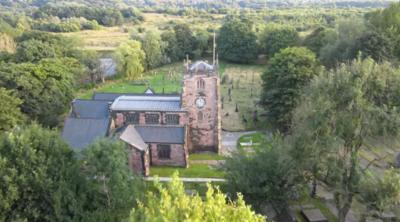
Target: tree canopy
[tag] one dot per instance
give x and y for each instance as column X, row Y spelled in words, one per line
column 287, row 73
column 130, row 59
column 279, row 37
column 237, row 41
column 171, row 203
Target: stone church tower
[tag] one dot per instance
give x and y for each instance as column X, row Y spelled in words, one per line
column 201, row 98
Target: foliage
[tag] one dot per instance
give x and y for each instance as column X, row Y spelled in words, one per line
column 287, row 73
column 37, row 176
column 277, row 38
column 171, row 203
column 153, row 47
column 387, row 195
column 172, row 49
column 266, row 175
column 194, row 170
column 339, row 110
column 45, row 89
column 185, row 40
column 374, row 45
column 7, row 43
column 10, row 113
column 113, row 186
column 34, row 50
column 237, row 42
column 130, row 59
column 319, row 38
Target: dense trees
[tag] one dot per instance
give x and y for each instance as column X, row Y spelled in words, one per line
column 45, row 89
column 171, row 203
column 338, row 112
column 184, row 39
column 35, row 176
column 237, row 41
column 10, row 113
column 287, row 73
column 279, row 37
column 266, row 176
column 154, row 48
column 130, row 59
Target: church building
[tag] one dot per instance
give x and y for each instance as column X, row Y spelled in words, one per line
column 158, row 129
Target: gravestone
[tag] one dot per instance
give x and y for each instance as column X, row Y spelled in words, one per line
column 397, row 161
column 313, row 215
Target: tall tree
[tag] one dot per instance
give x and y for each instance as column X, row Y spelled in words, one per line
column 319, row 38
column 171, row 49
column 277, row 38
column 36, row 174
column 153, row 47
column 45, row 89
column 185, row 39
column 267, row 176
column 10, row 113
column 237, row 41
column 171, row 203
column 340, row 110
column 287, row 73
column 114, row 187
column 375, row 45
column 130, row 59
column 34, row 50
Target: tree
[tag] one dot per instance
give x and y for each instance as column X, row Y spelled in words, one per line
column 171, row 203
column 202, row 43
column 45, row 89
column 341, row 109
column 267, row 176
column 114, row 187
column 130, row 59
column 7, row 43
column 185, row 39
column 319, row 38
column 379, row 194
column 34, row 50
column 287, row 73
column 171, row 48
column 237, row 42
column 374, row 45
column 277, row 38
column 153, row 47
column 10, row 113
column 36, row 174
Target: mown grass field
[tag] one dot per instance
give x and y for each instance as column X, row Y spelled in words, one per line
column 194, row 170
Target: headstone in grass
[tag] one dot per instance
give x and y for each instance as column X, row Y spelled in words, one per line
column 397, row 161
column 314, row 215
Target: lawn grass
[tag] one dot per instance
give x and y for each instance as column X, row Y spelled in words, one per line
column 258, row 137
column 205, row 156
column 194, row 170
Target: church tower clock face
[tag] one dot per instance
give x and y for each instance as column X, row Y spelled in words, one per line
column 200, row 102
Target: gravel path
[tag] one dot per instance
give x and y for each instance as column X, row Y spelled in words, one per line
column 229, row 141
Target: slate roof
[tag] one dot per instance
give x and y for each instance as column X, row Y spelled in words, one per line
column 162, row 134
column 112, row 96
column 147, row 103
column 132, row 137
column 90, row 109
column 79, row 133
column 201, row 66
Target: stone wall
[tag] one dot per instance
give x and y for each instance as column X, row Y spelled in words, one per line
column 178, row 156
column 120, row 118
column 139, row 161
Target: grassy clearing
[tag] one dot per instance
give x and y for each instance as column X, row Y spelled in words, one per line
column 194, row 170
column 166, row 79
column 205, row 156
column 244, row 83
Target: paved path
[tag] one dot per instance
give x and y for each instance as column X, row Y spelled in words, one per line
column 186, row 179
column 229, row 140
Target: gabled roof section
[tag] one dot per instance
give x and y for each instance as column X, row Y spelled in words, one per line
column 113, row 96
column 90, row 109
column 133, row 138
column 79, row 133
column 201, row 66
column 162, row 134
column 149, row 91
column 147, row 103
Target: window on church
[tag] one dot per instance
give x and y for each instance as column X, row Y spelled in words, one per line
column 200, row 84
column 152, row 119
column 164, row 151
column 132, row 118
column 172, row 119
column 200, row 116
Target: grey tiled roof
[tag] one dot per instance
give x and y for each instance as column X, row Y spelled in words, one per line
column 90, row 109
column 112, row 96
column 162, row 134
column 132, row 137
column 201, row 66
column 79, row 133
column 147, row 103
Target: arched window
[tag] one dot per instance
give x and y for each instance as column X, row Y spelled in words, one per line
column 200, row 116
column 200, row 84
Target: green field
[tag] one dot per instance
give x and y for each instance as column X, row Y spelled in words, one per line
column 205, row 156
